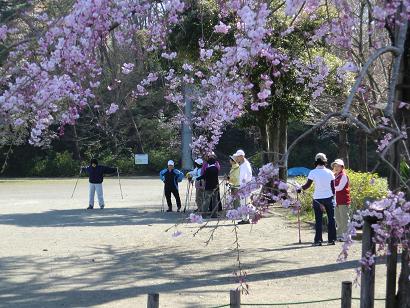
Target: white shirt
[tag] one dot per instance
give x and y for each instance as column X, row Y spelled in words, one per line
column 245, row 173
column 342, row 183
column 322, row 178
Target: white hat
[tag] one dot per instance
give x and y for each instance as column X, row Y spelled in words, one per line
column 321, row 156
column 171, row 163
column 199, row 161
column 338, row 162
column 239, row 153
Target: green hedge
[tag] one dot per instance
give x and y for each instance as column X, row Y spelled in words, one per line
column 363, row 186
column 56, row 164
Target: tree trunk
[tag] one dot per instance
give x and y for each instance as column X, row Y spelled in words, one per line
column 274, row 140
column 361, row 140
column 263, row 129
column 344, row 144
column 283, row 145
column 402, row 115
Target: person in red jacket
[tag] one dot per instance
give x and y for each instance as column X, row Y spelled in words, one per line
column 342, row 189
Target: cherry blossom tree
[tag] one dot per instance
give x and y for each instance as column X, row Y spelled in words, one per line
column 51, row 71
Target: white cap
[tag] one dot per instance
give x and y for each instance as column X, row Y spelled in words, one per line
column 321, row 156
column 199, row 161
column 171, row 163
column 239, row 153
column 338, row 162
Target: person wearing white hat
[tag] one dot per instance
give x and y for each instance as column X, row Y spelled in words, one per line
column 343, row 201
column 323, row 198
column 199, row 185
column 245, row 176
column 171, row 177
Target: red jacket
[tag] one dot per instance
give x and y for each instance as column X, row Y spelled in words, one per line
column 342, row 193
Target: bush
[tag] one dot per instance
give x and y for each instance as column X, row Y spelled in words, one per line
column 56, row 164
column 363, row 186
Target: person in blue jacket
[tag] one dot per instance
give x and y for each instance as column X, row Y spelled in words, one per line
column 96, row 177
column 171, row 177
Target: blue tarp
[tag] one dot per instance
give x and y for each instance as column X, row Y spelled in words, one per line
column 298, row 171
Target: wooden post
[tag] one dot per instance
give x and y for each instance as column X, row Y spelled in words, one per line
column 235, row 301
column 346, row 294
column 153, row 300
column 391, row 275
column 368, row 275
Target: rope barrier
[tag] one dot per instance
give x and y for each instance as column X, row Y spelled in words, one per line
column 298, row 303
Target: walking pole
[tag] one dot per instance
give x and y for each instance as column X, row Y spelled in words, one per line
column 163, row 197
column 76, row 182
column 119, row 181
column 190, row 195
column 297, row 198
column 187, row 195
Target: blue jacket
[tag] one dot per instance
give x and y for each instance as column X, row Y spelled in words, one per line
column 171, row 179
column 96, row 175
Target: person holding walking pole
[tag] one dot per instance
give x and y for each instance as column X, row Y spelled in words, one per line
column 96, row 177
column 245, row 176
column 171, row 177
column 199, row 185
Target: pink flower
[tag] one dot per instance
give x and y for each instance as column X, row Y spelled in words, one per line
column 169, row 56
column 113, row 109
column 283, row 186
column 176, row 234
column 3, row 32
column 196, row 218
column 404, row 105
column 264, row 94
column 127, row 68
column 222, row 28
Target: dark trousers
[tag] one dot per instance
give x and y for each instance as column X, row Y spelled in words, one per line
column 175, row 192
column 330, row 211
column 218, row 199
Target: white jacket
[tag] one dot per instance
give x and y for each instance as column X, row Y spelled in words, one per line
column 245, row 173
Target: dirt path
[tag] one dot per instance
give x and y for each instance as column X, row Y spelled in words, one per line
column 53, row 253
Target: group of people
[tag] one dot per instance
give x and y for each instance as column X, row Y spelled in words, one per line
column 331, row 195
column 205, row 179
column 331, row 189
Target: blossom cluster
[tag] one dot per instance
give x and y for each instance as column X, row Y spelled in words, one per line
column 392, row 226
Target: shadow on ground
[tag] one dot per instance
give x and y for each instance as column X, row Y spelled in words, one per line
column 96, row 217
column 109, row 275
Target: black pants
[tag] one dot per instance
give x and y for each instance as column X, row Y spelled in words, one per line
column 175, row 192
column 328, row 204
column 218, row 199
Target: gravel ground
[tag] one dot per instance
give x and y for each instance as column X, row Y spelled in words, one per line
column 54, row 253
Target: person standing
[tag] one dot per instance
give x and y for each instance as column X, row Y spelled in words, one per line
column 218, row 166
column 171, row 177
column 96, row 178
column 342, row 188
column 245, row 176
column 211, row 187
column 199, row 185
column 323, row 198
column 234, row 180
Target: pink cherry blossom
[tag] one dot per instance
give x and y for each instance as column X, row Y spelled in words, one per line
column 113, row 109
